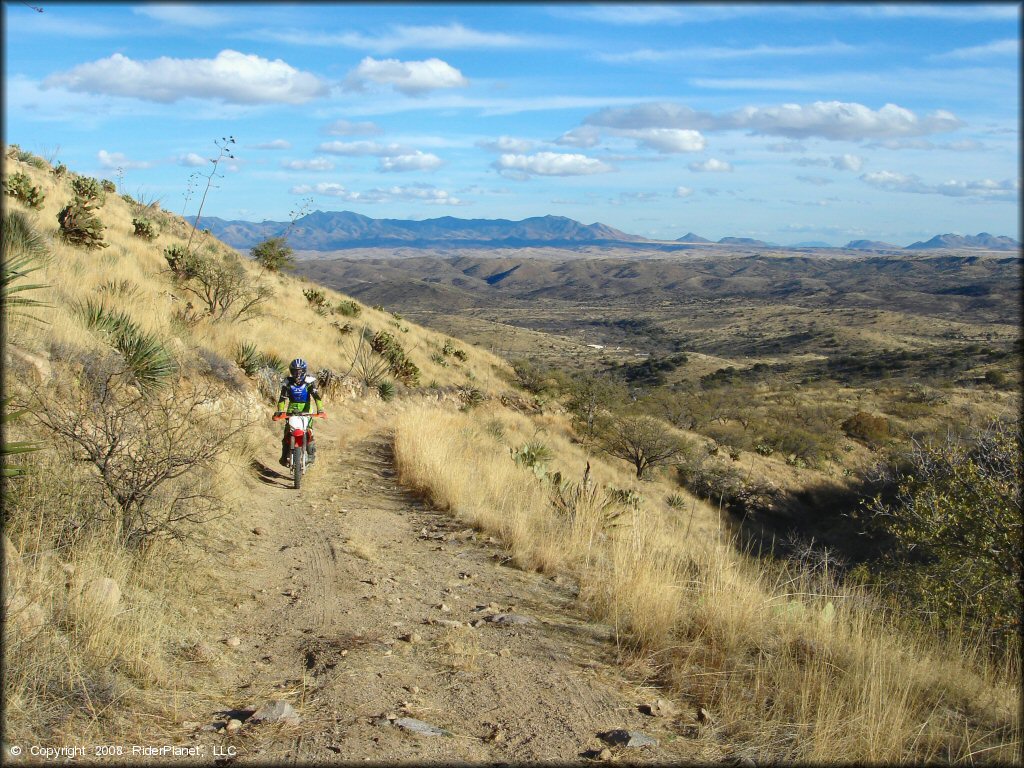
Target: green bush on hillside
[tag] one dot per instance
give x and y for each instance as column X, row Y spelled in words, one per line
column 273, row 254
column 404, row 369
column 88, row 189
column 144, row 228
column 19, row 186
column 80, row 226
column 348, row 308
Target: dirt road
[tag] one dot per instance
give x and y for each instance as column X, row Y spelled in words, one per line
column 358, row 607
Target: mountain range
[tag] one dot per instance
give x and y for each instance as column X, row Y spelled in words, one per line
column 338, row 230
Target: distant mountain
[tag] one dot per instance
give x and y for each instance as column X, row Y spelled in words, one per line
column 690, row 237
column 743, row 241
column 981, row 240
column 811, row 244
column 871, row 245
column 335, row 230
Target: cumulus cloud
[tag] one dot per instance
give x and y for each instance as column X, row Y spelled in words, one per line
column 682, row 192
column 316, row 164
column 362, row 148
column 847, row 162
column 507, row 144
column 834, row 120
column 965, row 145
column 422, row 193
column 346, row 128
column 550, row 164
column 192, row 160
column 583, row 136
column 988, row 189
column 114, row 160
column 416, row 161
column 711, row 166
column 413, row 78
column 667, row 140
column 275, row 144
column 230, row 77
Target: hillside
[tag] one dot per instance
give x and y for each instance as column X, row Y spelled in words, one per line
column 473, row 572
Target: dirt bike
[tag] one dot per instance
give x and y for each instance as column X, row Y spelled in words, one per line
column 298, row 429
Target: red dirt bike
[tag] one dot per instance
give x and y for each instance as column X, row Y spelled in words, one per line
column 298, row 431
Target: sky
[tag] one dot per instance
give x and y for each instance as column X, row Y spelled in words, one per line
column 787, row 123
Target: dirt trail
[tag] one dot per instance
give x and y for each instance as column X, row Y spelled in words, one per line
column 345, row 568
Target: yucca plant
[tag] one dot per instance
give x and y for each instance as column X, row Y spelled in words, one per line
column 248, row 358
column 15, row 448
column 149, row 361
column 386, row 390
column 23, row 252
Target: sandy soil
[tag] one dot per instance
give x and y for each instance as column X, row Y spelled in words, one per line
column 342, row 597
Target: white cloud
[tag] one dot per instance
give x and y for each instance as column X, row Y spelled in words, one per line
column 399, row 37
column 682, row 192
column 964, row 145
column 361, row 148
column 417, row 161
column 412, row 78
column 847, row 162
column 275, row 144
column 232, row 77
column 834, row 120
column 347, row 128
column 808, row 162
column 422, row 193
column 995, row 48
column 840, row 120
column 626, row 14
column 113, row 160
column 786, row 146
column 711, row 166
column 192, row 160
column 715, row 53
column 988, row 189
column 316, row 164
column 818, row 181
column 667, row 140
column 583, row 136
column 550, row 164
column 190, row 15
column 507, row 144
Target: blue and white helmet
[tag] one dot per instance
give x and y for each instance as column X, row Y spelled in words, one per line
column 298, row 368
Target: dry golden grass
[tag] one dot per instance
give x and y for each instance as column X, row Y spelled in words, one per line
column 793, row 667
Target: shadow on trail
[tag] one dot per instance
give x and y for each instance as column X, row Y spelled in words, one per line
column 271, row 476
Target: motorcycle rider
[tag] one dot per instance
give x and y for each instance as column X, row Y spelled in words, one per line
column 296, row 392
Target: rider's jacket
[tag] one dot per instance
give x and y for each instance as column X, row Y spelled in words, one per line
column 296, row 397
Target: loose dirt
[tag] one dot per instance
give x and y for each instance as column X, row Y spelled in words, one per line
column 345, row 589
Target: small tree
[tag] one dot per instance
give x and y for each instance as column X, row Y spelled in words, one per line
column 643, row 441
column 590, row 398
column 273, row 254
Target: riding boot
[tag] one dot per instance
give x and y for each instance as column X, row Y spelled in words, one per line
column 285, row 454
column 312, row 451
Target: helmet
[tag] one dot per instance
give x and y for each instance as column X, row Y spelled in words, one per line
column 298, row 368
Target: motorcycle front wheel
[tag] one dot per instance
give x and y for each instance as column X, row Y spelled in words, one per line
column 297, row 467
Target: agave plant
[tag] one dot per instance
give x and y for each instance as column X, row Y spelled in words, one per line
column 149, row 361
column 24, row 251
column 12, row 449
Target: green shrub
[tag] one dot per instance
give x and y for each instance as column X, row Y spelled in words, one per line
column 996, row 378
column 471, row 397
column 449, row 348
column 676, row 501
column 348, row 308
column 439, row 359
column 144, row 228
column 108, row 186
column 88, row 189
column 248, row 358
column 60, row 170
column 19, row 186
column 316, row 300
column 273, row 254
column 384, row 344
column 80, row 226
column 955, row 523
column 867, row 428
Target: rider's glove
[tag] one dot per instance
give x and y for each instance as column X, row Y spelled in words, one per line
column 322, row 414
column 278, row 416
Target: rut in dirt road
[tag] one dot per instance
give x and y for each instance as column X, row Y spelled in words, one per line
column 366, row 607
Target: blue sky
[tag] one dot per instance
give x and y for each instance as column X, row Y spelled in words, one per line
column 787, row 123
